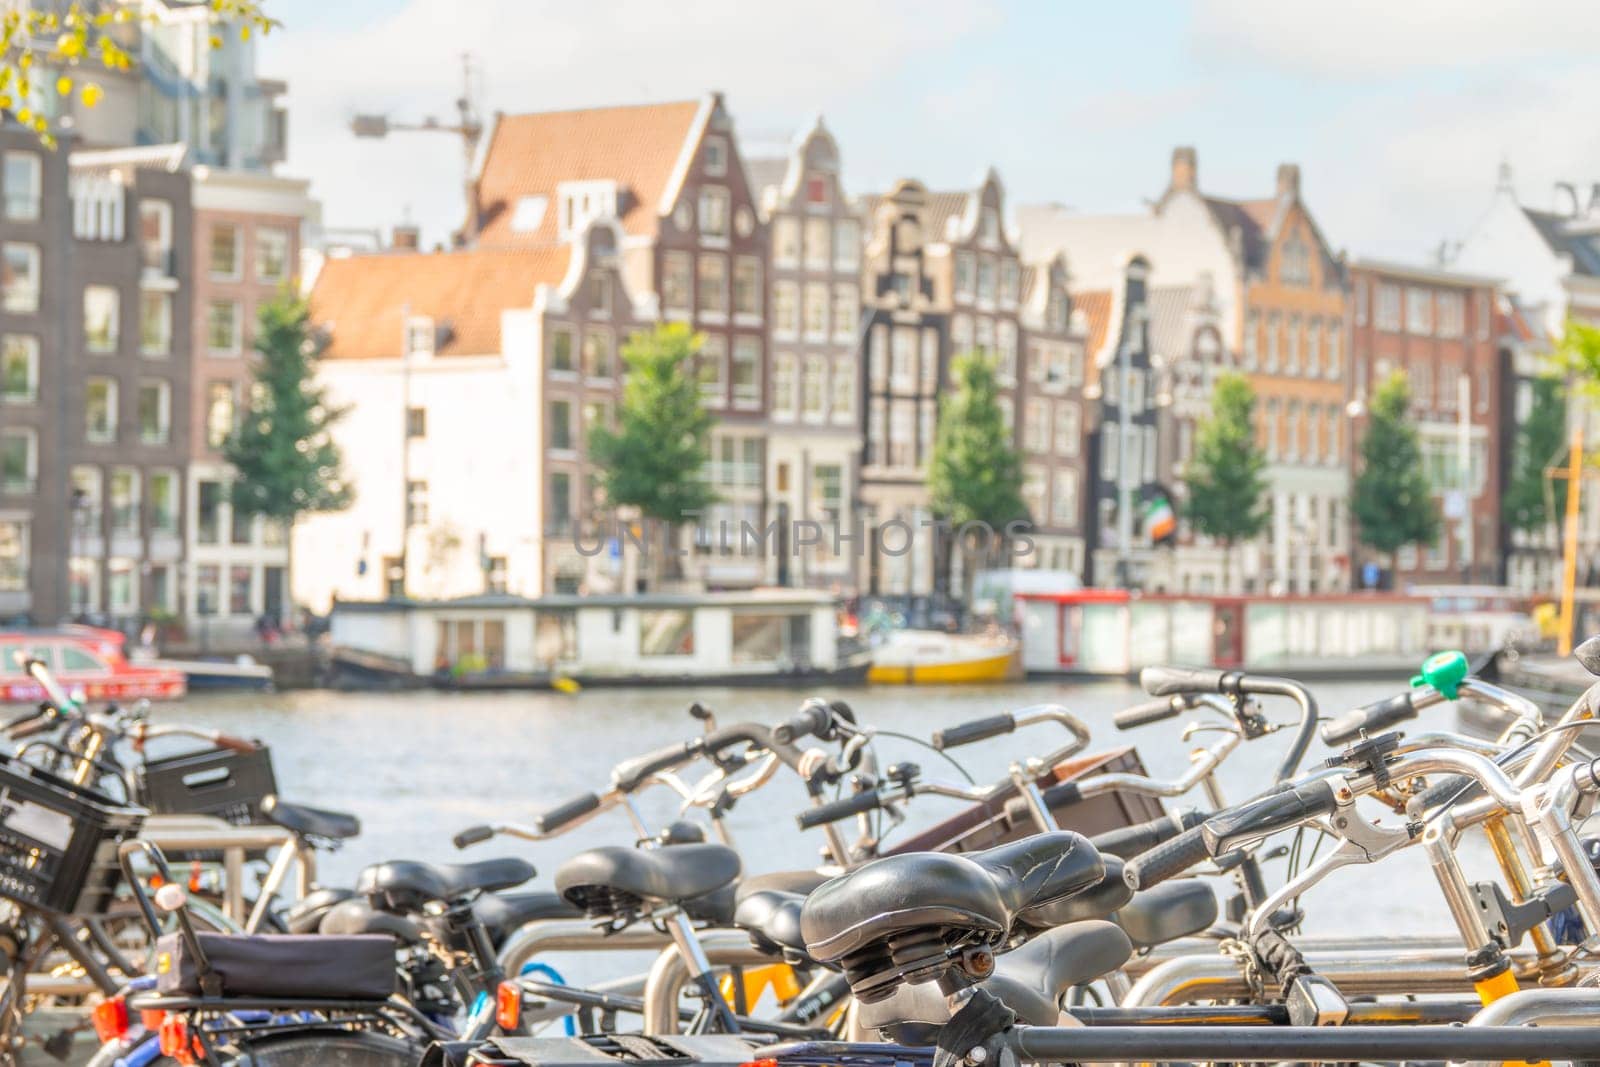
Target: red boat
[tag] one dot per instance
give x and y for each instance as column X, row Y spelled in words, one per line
column 89, row 662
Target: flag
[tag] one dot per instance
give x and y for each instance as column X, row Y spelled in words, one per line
column 1160, row 521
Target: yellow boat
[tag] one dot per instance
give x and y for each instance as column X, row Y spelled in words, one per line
column 927, row 657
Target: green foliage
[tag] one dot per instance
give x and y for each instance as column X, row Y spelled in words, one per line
column 1578, row 352
column 975, row 474
column 653, row 460
column 1540, row 440
column 286, row 463
column 1225, row 476
column 1393, row 504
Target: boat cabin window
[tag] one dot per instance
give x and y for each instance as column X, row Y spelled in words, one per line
column 667, row 632
column 14, row 654
column 771, row 637
column 555, row 636
column 470, row 646
column 76, row 659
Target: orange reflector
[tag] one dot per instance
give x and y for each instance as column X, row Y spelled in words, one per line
column 508, row 1006
column 151, row 1018
column 759, row 1063
column 175, row 1040
column 110, row 1018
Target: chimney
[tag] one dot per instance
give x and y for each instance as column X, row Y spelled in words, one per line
column 1185, row 168
column 405, row 237
column 1289, row 180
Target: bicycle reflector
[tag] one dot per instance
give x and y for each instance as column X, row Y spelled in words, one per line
column 508, row 1006
column 175, row 1039
column 110, row 1018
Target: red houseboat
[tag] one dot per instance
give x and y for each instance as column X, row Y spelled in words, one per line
column 89, row 663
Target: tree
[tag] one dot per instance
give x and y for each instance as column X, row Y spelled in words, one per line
column 1541, row 438
column 1225, row 476
column 975, row 473
column 41, row 49
column 286, row 465
column 1393, row 503
column 654, row 458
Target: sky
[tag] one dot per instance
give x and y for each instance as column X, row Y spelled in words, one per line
column 1399, row 112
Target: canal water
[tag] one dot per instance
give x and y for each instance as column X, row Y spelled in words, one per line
column 417, row 767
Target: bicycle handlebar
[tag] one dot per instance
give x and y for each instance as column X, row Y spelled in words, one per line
column 971, row 732
column 843, row 808
column 629, row 775
column 1266, row 815
column 1177, row 681
column 1151, row 711
column 1377, row 716
column 1129, row 841
column 812, row 720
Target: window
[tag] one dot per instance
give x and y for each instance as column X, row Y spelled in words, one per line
column 1313, row 348
column 18, row 460
column 1252, row 331
column 219, row 413
column 13, row 555
column 1482, row 301
column 816, row 189
column 1010, row 279
column 1006, row 346
column 1064, row 499
column 1361, row 302
column 844, row 390
column 786, row 241
column 783, row 385
column 155, row 323
column 827, row 490
column 561, row 437
column 1334, row 367
column 208, row 589
column 1036, row 425
column 930, row 361
column 1419, row 311
column 1421, row 375
column 747, row 286
column 878, row 357
column 819, row 244
column 989, row 226
column 666, row 633
column 986, row 280
column 903, row 360
column 272, row 255
column 416, row 509
column 713, row 212
column 22, row 184
column 1274, row 328
column 101, row 307
column 155, row 237
column 225, row 252
column 599, row 294
column 1387, row 315
column 816, row 310
column 675, row 282
column 560, row 501
column 1334, row 426
column 164, row 502
column 813, row 387
column 1452, row 315
column 561, row 348
column 19, row 277
column 961, row 333
column 1296, row 265
column 1291, row 363
column 1272, row 428
column 125, row 502
column 985, row 335
column 86, row 499
column 100, row 410
column 19, row 368
column 746, row 372
column 1069, row 431
column 713, row 369
column 785, row 308
column 902, row 435
column 846, row 244
column 714, row 156
column 208, row 509
column 846, row 311
column 240, row 584
column 224, row 327
column 597, row 362
column 155, row 412
column 714, row 285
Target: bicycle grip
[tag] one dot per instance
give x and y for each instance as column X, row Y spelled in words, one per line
column 1455, row 788
column 235, row 744
column 1169, row 681
column 834, row 810
column 812, row 719
column 473, row 835
column 31, row 726
column 1371, row 718
column 1266, row 815
column 1127, row 842
column 550, row 821
column 1148, row 712
column 630, row 774
column 977, row 730
column 1167, row 860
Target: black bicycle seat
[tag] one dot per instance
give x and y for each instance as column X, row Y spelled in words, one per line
column 616, row 882
column 404, row 886
column 772, row 918
column 309, row 821
column 1167, row 912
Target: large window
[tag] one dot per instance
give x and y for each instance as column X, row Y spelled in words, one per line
column 155, row 323
column 746, row 372
column 1069, row 432
column 1452, row 314
column 846, row 244
column 666, row 633
column 597, row 361
column 22, row 185
column 813, row 387
column 713, row 212
column 1387, row 314
column 561, row 435
column 816, row 310
column 225, row 327
column 209, row 513
column 19, row 368
column 18, row 460
column 714, row 284
column 713, row 369
column 155, row 237
column 1419, row 311
column 783, row 385
column 762, row 637
column 219, row 413
column 164, row 502
column 747, row 286
column 786, row 241
column 240, row 584
column 843, row 401
column 13, row 555
column 100, row 410
column 226, row 252
column 125, row 502
column 1064, row 498
column 785, row 308
column 102, row 307
column 208, row 589
column 155, row 412
column 272, row 255
column 676, row 283
column 561, row 348
column 846, row 311
column 819, row 244
column 19, row 277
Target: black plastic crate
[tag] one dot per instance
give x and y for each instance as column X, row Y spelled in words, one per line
column 58, row 841
column 214, row 781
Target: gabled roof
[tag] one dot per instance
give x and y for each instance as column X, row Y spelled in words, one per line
column 936, row 215
column 638, row 147
column 1253, row 219
column 766, row 172
column 1169, row 319
column 361, row 301
column 1096, row 307
column 1556, row 230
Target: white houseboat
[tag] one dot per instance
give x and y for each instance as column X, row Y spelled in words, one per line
column 487, row 642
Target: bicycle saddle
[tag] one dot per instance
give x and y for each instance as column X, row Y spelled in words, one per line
column 305, row 914
column 617, row 882
column 308, row 821
column 1167, row 912
column 503, row 914
column 356, row 916
column 1098, row 901
column 905, row 918
column 799, row 882
column 406, row 885
column 772, row 919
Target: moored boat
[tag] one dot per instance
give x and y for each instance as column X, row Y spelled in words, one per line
column 928, row 657
column 88, row 661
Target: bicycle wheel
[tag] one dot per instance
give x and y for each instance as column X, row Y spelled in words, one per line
column 329, row 1048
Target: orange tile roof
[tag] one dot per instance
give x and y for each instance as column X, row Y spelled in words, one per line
column 529, row 155
column 1096, row 307
column 361, row 300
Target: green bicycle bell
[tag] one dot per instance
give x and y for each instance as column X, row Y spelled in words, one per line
column 1444, row 671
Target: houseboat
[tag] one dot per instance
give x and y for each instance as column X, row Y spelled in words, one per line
column 928, row 657
column 87, row 661
column 1115, row 632
column 762, row 637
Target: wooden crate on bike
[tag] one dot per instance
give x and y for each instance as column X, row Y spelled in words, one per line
column 1005, row 816
column 58, row 841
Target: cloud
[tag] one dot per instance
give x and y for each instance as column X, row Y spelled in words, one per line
column 1354, row 39
column 778, row 64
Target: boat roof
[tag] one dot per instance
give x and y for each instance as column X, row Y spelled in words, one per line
column 642, row 601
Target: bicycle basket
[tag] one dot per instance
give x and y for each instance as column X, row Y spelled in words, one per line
column 58, row 841
column 211, row 781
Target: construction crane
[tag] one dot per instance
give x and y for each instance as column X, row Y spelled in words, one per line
column 468, row 126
